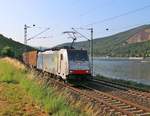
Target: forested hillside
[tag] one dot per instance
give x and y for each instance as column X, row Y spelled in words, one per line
column 11, row 47
column 134, row 42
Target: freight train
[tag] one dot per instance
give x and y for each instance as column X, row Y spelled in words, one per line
column 65, row 63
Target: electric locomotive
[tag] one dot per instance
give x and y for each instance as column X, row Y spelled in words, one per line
column 65, row 63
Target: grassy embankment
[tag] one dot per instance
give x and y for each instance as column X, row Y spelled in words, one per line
column 132, row 84
column 27, row 96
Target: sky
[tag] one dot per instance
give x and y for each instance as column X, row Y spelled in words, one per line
column 62, row 15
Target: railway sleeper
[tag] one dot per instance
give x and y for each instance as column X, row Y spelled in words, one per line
column 109, row 101
column 145, row 114
column 105, row 97
column 118, row 113
column 112, row 112
column 121, row 105
column 137, row 111
column 126, row 106
column 130, row 109
column 116, row 102
column 113, row 100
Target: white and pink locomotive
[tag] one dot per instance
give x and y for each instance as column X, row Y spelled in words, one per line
column 65, row 63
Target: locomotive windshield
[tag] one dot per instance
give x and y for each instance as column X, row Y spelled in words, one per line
column 77, row 55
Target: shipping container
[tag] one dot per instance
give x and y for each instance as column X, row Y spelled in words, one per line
column 30, row 58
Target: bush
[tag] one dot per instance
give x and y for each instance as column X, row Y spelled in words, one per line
column 7, row 51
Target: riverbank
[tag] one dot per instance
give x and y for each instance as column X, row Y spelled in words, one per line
column 132, row 84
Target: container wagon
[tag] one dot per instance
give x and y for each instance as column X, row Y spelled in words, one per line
column 30, row 58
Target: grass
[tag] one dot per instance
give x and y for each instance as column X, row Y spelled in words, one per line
column 14, row 73
column 14, row 101
column 133, row 84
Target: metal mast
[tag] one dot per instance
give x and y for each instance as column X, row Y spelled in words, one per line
column 25, row 34
column 92, row 54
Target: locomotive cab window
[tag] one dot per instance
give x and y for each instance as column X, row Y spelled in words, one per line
column 61, row 57
column 77, row 55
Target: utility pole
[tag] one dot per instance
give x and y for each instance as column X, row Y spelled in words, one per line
column 92, row 52
column 25, row 34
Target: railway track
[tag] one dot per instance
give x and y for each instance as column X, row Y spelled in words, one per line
column 109, row 103
column 125, row 88
column 123, row 106
column 140, row 97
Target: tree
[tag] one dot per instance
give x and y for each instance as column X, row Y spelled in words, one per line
column 7, row 51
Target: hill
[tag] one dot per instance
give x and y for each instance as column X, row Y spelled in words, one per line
column 16, row 47
column 134, row 42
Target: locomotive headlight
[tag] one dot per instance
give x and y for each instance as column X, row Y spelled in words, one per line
column 87, row 71
column 71, row 71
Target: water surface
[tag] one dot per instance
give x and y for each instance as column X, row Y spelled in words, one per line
column 123, row 68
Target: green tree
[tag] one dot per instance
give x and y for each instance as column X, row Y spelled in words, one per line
column 7, row 51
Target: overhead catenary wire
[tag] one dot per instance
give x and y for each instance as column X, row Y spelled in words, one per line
column 124, row 28
column 39, row 34
column 80, row 33
column 118, row 16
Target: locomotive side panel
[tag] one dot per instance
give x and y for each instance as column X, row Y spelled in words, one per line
column 48, row 61
column 40, row 61
column 63, row 68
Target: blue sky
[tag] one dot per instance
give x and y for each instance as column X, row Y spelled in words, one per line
column 62, row 15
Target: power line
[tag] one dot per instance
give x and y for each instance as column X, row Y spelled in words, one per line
column 121, row 15
column 128, row 27
column 39, row 34
column 121, row 29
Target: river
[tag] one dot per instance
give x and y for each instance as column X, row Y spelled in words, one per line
column 123, row 68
